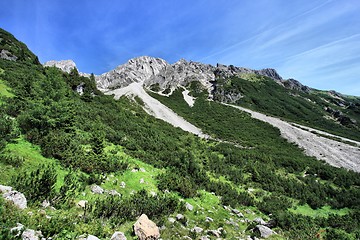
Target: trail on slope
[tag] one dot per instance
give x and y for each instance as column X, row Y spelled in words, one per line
column 155, row 108
column 335, row 153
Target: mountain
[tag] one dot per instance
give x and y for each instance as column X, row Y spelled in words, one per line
column 177, row 151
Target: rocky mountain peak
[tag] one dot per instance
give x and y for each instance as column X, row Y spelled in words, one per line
column 64, row 65
column 135, row 70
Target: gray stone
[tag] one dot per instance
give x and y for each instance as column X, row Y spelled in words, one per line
column 5, row 189
column 5, row 54
column 209, row 219
column 197, row 229
column 146, row 229
column 96, row 189
column 64, row 65
column 264, row 231
column 189, row 206
column 118, row 236
column 179, row 216
column 215, row 233
column 171, row 220
column 235, row 211
column 17, row 198
column 30, row 234
column 82, row 203
column 122, row 184
column 45, row 204
column 113, row 193
column 92, row 237
column 260, row 221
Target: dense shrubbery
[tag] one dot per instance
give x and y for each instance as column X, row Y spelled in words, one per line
column 128, row 208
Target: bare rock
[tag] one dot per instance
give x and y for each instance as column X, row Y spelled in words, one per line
column 45, row 204
column 82, row 203
column 5, row 189
column 64, row 65
column 189, row 206
column 118, row 236
column 260, row 221
column 113, row 193
column 30, row 234
column 171, row 220
column 197, row 229
column 5, row 54
column 122, row 184
column 179, row 216
column 264, row 231
column 17, row 198
column 96, row 189
column 92, row 237
column 146, row 229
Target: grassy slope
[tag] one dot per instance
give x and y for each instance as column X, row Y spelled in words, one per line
column 305, row 108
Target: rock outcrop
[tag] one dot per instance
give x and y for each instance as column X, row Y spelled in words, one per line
column 263, row 231
column 135, row 70
column 5, row 54
column 17, row 198
column 146, row 229
column 64, row 65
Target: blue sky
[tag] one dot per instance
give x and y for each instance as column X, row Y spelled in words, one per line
column 316, row 42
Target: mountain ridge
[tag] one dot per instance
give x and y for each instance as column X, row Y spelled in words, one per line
column 152, row 70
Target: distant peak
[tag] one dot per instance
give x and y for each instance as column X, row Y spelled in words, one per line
column 64, row 65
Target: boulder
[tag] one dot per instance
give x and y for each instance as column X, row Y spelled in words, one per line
column 113, row 193
column 235, row 211
column 259, row 221
column 5, row 189
column 118, row 236
column 92, row 237
column 30, row 234
column 122, row 184
column 189, row 206
column 82, row 203
column 96, row 189
column 197, row 229
column 179, row 217
column 146, row 229
column 17, row 198
column 263, row 231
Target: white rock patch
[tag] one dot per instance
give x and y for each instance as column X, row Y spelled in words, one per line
column 190, row 100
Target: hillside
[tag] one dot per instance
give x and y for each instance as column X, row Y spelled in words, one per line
column 90, row 165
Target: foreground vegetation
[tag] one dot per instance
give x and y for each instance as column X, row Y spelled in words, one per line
column 56, row 144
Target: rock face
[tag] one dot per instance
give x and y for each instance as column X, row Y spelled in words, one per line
column 17, row 198
column 135, row 70
column 64, row 65
column 295, row 85
column 5, row 54
column 146, row 229
column 118, row 236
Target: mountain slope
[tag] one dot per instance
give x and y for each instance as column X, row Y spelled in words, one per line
column 102, row 162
